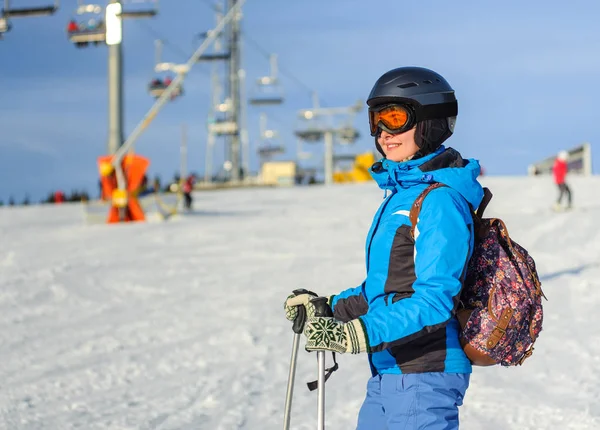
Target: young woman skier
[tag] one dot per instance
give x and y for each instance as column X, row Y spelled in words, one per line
column 404, row 314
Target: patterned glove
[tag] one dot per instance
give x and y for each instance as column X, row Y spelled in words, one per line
column 294, row 300
column 328, row 334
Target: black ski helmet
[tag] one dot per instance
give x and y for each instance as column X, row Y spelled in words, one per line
column 430, row 97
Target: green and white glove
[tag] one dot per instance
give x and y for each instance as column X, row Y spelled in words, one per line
column 328, row 334
column 294, row 300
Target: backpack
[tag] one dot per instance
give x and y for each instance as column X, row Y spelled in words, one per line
column 500, row 309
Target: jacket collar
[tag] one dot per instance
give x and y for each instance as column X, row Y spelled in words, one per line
column 390, row 174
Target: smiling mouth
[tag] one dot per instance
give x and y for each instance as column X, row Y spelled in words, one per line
column 392, row 145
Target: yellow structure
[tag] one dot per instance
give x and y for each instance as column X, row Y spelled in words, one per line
column 278, row 173
column 359, row 171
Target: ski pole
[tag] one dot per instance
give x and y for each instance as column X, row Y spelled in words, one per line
column 321, row 391
column 322, row 309
column 290, row 386
column 297, row 328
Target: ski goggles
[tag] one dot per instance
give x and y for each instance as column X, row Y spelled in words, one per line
column 393, row 118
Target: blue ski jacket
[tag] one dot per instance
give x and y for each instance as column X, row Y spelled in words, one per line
column 409, row 298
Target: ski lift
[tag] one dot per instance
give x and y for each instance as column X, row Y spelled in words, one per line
column 222, row 127
column 268, row 91
column 213, row 56
column 267, row 150
column 311, row 135
column 158, row 86
column 347, row 134
column 218, row 54
column 271, row 140
column 4, row 26
column 90, row 27
column 312, row 127
column 139, row 13
column 22, row 12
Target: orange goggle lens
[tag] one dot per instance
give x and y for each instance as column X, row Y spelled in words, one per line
column 393, row 117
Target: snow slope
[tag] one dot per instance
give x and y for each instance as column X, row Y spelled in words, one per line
column 179, row 325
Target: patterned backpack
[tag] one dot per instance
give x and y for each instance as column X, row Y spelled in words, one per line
column 500, row 310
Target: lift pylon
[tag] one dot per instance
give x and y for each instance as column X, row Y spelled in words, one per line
column 121, row 193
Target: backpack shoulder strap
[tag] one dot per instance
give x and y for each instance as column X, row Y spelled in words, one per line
column 487, row 196
column 416, row 207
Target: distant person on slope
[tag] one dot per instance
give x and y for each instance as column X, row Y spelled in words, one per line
column 559, row 171
column 188, row 187
column 404, row 314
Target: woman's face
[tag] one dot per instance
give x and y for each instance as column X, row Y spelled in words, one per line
column 398, row 147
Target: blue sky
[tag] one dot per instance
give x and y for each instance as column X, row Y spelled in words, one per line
column 525, row 74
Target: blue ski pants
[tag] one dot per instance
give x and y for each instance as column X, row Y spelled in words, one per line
column 413, row 401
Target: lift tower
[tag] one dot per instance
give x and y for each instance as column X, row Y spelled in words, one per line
column 109, row 31
column 115, row 73
column 234, row 153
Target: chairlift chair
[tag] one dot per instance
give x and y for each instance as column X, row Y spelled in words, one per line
column 139, row 13
column 22, row 12
column 269, row 135
column 223, row 127
column 267, row 150
column 4, row 26
column 268, row 90
column 271, row 143
column 91, row 29
column 347, row 135
column 311, row 135
column 158, row 86
column 300, row 153
column 212, row 56
column 217, row 56
column 266, row 133
column 309, row 128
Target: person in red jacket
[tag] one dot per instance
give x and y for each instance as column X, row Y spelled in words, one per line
column 59, row 197
column 72, row 27
column 188, row 187
column 559, row 171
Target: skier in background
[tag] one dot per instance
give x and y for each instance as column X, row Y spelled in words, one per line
column 188, row 187
column 559, row 171
column 404, row 315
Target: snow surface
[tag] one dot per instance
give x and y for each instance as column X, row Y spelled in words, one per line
column 179, row 324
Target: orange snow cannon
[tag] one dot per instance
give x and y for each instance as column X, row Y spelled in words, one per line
column 125, row 206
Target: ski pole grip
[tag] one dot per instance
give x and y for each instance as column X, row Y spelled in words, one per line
column 298, row 325
column 302, row 291
column 322, row 308
column 300, row 320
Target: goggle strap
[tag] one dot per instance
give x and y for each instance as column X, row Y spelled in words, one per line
column 443, row 110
